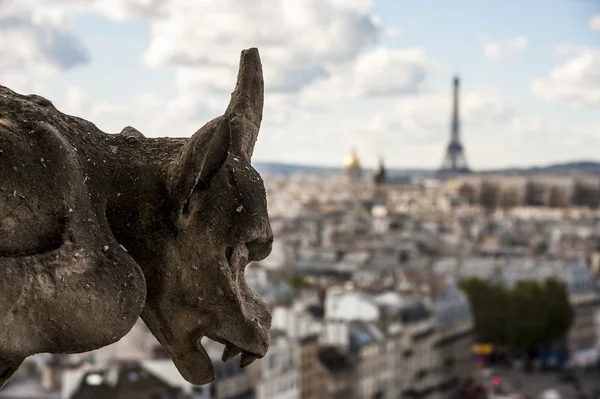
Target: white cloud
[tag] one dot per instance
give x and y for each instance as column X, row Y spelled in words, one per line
column 299, row 40
column 577, row 81
column 37, row 40
column 21, row 83
column 76, row 101
column 152, row 114
column 302, row 33
column 315, row 53
column 595, row 23
column 554, row 141
column 378, row 73
column 107, row 109
column 58, row 12
column 505, row 50
column 121, row 10
column 426, row 116
column 39, row 48
column 416, row 130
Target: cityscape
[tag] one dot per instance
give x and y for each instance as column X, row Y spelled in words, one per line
column 444, row 282
column 368, row 282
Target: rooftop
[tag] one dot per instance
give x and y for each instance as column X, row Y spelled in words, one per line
column 127, row 381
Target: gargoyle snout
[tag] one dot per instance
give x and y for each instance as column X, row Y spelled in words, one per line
column 260, row 248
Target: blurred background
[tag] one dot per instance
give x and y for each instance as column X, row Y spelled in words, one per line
column 432, row 175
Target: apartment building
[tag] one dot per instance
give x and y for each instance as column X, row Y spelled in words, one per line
column 310, row 367
column 277, row 375
column 339, row 376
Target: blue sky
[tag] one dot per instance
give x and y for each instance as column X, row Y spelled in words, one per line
column 381, row 93
column 454, row 32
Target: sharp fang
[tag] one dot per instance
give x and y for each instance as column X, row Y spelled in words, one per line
column 230, row 352
column 247, row 359
column 199, row 343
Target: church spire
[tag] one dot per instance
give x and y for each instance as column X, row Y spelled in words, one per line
column 381, row 175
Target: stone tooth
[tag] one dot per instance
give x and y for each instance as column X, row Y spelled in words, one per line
column 230, row 352
column 199, row 343
column 247, row 359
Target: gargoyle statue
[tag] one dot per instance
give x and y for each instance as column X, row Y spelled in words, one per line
column 98, row 229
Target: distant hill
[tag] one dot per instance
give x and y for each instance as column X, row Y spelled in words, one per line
column 285, row 169
column 587, row 167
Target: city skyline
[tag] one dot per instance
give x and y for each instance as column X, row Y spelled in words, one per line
column 373, row 75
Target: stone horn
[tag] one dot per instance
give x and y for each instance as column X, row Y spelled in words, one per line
column 245, row 108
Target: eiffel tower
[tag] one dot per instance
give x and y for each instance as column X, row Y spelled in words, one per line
column 455, row 161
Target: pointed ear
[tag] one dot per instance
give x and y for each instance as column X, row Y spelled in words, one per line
column 216, row 154
column 201, row 159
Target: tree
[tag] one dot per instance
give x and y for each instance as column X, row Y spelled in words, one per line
column 546, row 313
column 559, row 312
column 488, row 305
column 525, row 318
column 298, row 282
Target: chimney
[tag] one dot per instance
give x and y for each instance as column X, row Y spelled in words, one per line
column 51, row 375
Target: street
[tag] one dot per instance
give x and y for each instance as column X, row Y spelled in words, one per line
column 534, row 383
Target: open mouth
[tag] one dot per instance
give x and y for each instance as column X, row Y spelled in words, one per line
column 235, row 256
column 231, row 350
column 195, row 364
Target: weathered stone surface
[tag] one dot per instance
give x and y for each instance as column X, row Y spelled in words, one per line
column 97, row 229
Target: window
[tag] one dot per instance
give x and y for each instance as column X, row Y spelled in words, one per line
column 198, row 389
column 94, row 379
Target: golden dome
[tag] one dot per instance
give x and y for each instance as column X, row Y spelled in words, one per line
column 352, row 159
